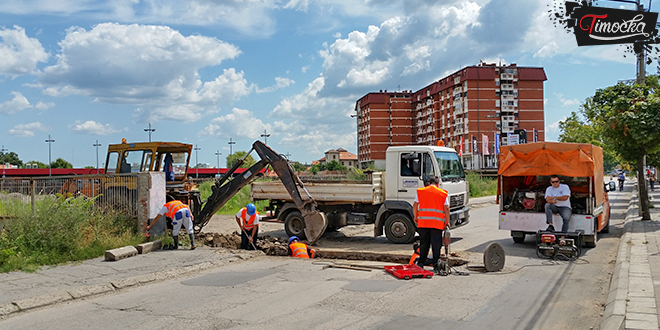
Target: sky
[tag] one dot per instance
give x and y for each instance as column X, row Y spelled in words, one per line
column 207, row 71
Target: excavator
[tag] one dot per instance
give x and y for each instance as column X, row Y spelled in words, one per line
column 173, row 158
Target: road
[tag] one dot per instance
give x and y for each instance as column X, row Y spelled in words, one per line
column 280, row 292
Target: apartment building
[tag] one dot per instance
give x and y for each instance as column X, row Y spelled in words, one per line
column 475, row 110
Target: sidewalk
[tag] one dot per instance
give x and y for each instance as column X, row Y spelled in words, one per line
column 633, row 301
column 24, row 291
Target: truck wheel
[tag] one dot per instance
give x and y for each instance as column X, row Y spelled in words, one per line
column 400, row 229
column 519, row 239
column 606, row 229
column 294, row 224
column 590, row 240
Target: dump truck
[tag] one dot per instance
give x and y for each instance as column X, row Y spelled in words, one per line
column 385, row 201
column 524, row 174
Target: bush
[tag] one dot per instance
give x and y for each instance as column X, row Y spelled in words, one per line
column 60, row 230
column 237, row 202
column 481, row 186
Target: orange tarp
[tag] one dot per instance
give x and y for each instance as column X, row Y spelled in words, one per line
column 547, row 158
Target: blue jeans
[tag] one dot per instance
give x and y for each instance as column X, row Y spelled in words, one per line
column 564, row 213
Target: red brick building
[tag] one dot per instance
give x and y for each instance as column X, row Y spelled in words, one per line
column 468, row 110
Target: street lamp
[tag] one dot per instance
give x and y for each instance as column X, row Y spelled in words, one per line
column 197, row 149
column 231, row 161
column 265, row 136
column 218, row 153
column 4, row 163
column 97, row 145
column 149, row 130
column 49, row 164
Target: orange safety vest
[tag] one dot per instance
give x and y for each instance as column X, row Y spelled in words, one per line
column 431, row 207
column 173, row 207
column 299, row 250
column 249, row 223
column 413, row 258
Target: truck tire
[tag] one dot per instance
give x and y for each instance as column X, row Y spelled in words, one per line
column 294, row 224
column 590, row 240
column 400, row 229
column 519, row 240
column 606, row 229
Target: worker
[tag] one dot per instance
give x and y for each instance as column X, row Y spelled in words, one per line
column 180, row 215
column 298, row 249
column 248, row 219
column 168, row 167
column 431, row 211
column 557, row 200
column 415, row 257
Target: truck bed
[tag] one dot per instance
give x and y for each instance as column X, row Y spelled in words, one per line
column 328, row 192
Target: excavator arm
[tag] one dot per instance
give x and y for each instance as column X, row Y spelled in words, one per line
column 224, row 189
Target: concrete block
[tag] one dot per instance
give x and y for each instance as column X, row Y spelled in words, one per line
column 8, row 308
column 44, row 300
column 145, row 248
column 91, row 290
column 120, row 253
column 614, row 322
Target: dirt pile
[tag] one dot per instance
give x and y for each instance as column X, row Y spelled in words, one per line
column 269, row 245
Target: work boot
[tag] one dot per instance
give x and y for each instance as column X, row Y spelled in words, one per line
column 192, row 241
column 551, row 228
column 176, row 243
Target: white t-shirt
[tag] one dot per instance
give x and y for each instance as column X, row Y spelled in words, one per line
column 563, row 190
column 240, row 214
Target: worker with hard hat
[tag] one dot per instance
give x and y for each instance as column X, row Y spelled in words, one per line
column 431, row 211
column 180, row 215
column 248, row 219
column 298, row 249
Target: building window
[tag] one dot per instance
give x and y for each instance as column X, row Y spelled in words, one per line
column 334, row 157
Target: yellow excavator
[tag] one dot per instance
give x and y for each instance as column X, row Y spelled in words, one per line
column 173, row 158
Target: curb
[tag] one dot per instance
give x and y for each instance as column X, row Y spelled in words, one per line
column 97, row 289
column 614, row 315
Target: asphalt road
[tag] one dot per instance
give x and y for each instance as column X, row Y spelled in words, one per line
column 280, row 292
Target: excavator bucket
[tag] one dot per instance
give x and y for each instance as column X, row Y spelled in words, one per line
column 315, row 224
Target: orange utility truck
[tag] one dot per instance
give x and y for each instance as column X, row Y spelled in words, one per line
column 524, row 174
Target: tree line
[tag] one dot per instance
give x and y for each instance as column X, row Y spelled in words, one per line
column 13, row 159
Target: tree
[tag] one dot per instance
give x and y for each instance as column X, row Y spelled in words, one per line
column 11, row 158
column 60, row 163
column 576, row 130
column 335, row 166
column 298, row 167
column 317, row 168
column 630, row 119
column 39, row 164
column 233, row 159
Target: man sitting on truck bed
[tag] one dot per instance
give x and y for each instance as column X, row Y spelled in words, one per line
column 557, row 198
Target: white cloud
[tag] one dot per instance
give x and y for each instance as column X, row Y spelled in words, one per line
column 565, row 102
column 279, row 84
column 19, row 53
column 18, row 103
column 153, row 67
column 27, row 130
column 554, row 127
column 313, row 139
column 44, row 105
column 239, row 123
column 93, row 128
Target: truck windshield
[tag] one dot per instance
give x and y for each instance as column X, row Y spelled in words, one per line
column 450, row 166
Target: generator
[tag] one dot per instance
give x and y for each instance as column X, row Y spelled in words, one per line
column 550, row 245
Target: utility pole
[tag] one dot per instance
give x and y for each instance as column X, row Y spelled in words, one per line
column 265, row 136
column 231, row 160
column 97, row 145
column 197, row 149
column 218, row 153
column 49, row 162
column 4, row 163
column 149, row 130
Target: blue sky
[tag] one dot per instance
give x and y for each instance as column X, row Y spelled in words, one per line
column 205, row 71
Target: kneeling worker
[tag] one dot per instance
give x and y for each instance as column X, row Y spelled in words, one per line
column 298, row 249
column 180, row 215
column 414, row 259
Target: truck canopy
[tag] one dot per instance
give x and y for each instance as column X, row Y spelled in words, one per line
column 573, row 160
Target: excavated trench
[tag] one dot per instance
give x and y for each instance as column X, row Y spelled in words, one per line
column 274, row 246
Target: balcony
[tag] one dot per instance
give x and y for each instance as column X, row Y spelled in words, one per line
column 507, row 87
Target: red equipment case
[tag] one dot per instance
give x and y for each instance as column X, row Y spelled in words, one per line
column 407, row 272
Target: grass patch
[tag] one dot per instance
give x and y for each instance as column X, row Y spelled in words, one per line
column 481, row 186
column 60, row 231
column 237, row 202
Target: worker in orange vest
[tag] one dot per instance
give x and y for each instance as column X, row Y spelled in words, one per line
column 415, row 257
column 299, row 249
column 248, row 219
column 180, row 215
column 431, row 211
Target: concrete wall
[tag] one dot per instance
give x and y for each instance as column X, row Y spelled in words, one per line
column 151, row 197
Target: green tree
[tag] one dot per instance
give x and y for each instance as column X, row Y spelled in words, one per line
column 317, row 168
column 234, row 158
column 335, row 166
column 298, row 167
column 11, row 158
column 39, row 164
column 575, row 129
column 629, row 115
column 60, row 163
